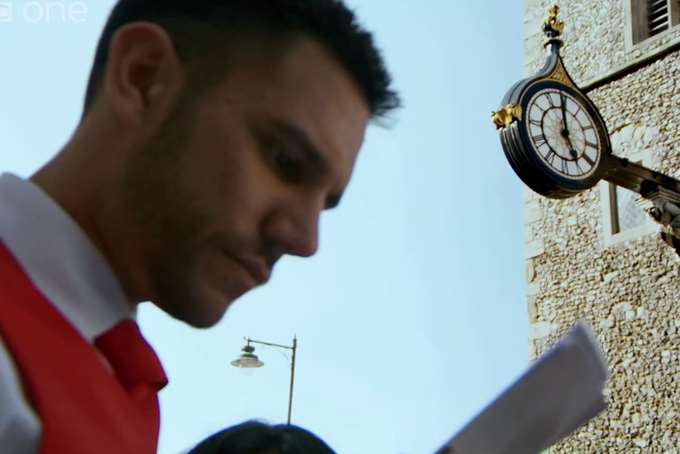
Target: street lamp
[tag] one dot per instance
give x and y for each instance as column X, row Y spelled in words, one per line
column 249, row 359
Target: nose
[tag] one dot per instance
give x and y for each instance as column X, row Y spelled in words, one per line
column 295, row 232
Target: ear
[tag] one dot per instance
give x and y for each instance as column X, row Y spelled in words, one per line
column 143, row 75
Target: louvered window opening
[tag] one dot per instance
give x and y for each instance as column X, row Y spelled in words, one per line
column 658, row 16
column 650, row 18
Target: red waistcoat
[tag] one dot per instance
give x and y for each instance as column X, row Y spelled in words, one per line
column 83, row 409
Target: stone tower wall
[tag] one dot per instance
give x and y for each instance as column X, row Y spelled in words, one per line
column 628, row 290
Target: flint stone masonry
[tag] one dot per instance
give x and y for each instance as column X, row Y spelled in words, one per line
column 594, row 36
column 532, row 212
column 541, row 330
column 629, row 291
column 535, row 248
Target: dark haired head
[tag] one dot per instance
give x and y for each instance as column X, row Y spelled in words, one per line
column 254, row 437
column 204, row 31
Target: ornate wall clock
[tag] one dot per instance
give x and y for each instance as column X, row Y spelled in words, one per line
column 556, row 140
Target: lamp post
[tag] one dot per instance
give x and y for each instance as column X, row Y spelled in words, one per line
column 248, row 359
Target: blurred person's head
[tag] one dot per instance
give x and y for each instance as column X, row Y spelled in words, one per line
column 258, row 438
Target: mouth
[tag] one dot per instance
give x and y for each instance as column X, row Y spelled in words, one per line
column 256, row 268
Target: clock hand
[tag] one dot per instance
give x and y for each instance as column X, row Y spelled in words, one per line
column 565, row 130
column 563, row 108
column 572, row 151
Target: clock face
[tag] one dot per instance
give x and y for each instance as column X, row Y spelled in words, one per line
column 563, row 134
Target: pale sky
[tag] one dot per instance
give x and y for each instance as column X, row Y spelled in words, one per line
column 412, row 316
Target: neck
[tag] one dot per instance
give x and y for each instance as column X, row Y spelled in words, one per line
column 81, row 180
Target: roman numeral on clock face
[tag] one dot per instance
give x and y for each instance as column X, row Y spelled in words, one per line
column 551, row 158
column 550, row 100
column 580, row 170
column 539, row 139
column 564, row 167
column 588, row 159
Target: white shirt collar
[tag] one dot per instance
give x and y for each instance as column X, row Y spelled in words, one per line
column 59, row 258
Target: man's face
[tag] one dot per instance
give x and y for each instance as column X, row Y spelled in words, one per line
column 239, row 178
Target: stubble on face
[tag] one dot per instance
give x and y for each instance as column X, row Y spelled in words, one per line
column 162, row 205
column 172, row 196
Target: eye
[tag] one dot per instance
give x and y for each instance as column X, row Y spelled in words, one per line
column 287, row 163
column 281, row 157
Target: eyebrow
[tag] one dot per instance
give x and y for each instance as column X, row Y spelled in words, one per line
column 312, row 154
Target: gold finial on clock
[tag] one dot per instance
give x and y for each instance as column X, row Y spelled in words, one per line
column 552, row 26
column 507, row 115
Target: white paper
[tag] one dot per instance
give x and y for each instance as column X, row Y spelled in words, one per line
column 560, row 392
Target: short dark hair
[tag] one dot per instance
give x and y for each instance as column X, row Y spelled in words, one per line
column 330, row 22
column 252, row 437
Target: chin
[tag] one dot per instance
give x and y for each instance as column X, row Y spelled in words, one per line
column 202, row 320
column 199, row 311
column 206, row 313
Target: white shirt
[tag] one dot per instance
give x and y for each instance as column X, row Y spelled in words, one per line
column 69, row 270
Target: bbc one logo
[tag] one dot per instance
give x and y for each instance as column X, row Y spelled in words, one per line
column 43, row 12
